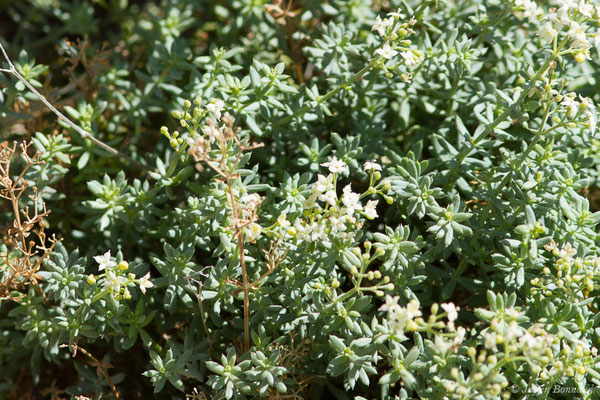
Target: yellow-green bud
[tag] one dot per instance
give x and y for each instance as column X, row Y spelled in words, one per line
column 454, row 373
column 123, row 265
column 471, row 351
column 187, row 104
column 91, row 279
column 177, row 114
column 164, row 130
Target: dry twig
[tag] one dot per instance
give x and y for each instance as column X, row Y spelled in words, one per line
column 20, row 269
column 84, row 134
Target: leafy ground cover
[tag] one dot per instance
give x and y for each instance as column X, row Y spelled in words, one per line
column 299, row 199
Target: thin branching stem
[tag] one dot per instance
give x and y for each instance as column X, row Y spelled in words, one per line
column 82, row 132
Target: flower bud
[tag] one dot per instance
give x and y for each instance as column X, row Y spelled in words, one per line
column 123, row 265
column 91, row 279
column 187, row 104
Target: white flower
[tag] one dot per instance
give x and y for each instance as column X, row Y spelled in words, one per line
column 370, row 209
column 335, row 166
column 513, row 313
column 410, row 60
column 570, row 104
column 282, row 221
column 386, row 51
column 490, row 340
column 397, row 15
column 329, row 197
column 390, row 303
column 104, row 261
column 452, row 311
column 216, row 106
column 513, row 331
column 381, row 26
column 323, row 183
column 586, row 9
column 145, row 283
column 442, row 345
column 577, row 33
column 530, row 9
column 586, row 102
column 351, row 200
column 547, row 33
column 212, row 132
column 253, row 231
column 310, row 202
column 413, row 309
column 113, row 282
column 568, row 4
column 372, row 166
column 592, row 121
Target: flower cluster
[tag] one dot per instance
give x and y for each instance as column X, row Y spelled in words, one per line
column 328, row 214
column 409, row 319
column 570, row 276
column 571, row 18
column 115, row 278
column 394, row 33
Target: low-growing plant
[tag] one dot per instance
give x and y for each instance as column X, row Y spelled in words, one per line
column 299, row 199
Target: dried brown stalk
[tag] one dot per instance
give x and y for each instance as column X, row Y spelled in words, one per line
column 20, row 264
column 239, row 218
column 101, row 366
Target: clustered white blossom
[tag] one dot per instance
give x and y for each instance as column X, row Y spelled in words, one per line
column 571, row 276
column 335, row 215
column 392, row 31
column 116, row 280
column 402, row 319
column 574, row 15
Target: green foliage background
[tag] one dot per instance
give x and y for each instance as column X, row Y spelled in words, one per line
column 478, row 180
